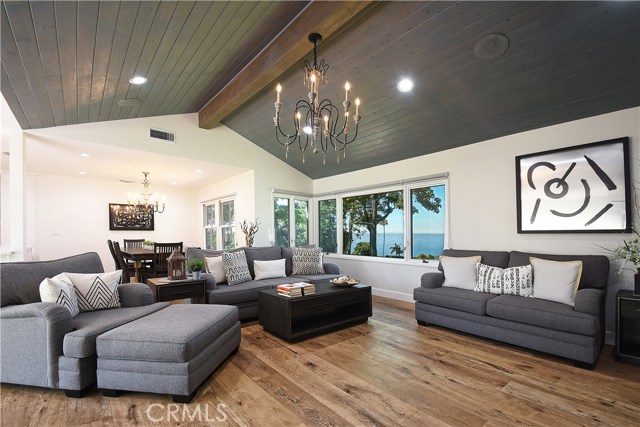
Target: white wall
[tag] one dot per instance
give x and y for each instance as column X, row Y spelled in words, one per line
column 483, row 201
column 71, row 216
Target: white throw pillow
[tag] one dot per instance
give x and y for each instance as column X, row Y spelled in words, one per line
column 269, row 269
column 215, row 266
column 509, row 281
column 556, row 281
column 235, row 267
column 307, row 261
column 59, row 290
column 96, row 291
column 460, row 272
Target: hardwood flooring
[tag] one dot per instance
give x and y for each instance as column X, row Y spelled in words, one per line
column 388, row 372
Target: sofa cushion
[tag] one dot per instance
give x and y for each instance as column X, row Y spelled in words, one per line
column 492, row 258
column 193, row 253
column 96, row 291
column 236, row 268
column 215, row 266
column 261, row 253
column 455, row 299
column 269, row 269
column 242, row 292
column 307, row 260
column 59, row 290
column 508, row 281
column 287, row 254
column 20, row 281
column 556, row 281
column 460, row 272
column 543, row 313
column 193, row 328
column 81, row 342
column 595, row 268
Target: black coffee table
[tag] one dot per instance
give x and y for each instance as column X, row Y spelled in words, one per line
column 331, row 308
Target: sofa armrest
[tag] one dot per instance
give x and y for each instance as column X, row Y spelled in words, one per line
column 209, row 281
column 589, row 301
column 31, row 342
column 135, row 294
column 433, row 279
column 331, row 268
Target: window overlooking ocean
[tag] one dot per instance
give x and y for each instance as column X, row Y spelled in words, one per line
column 407, row 222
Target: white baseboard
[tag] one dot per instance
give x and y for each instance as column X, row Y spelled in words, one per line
column 401, row 296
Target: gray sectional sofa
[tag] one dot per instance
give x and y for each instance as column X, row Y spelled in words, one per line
column 245, row 295
column 576, row 333
column 139, row 346
column 42, row 345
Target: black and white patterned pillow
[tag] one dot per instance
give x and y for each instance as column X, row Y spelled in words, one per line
column 307, row 261
column 509, row 281
column 59, row 290
column 96, row 291
column 235, row 267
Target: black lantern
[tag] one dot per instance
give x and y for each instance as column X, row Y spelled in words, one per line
column 176, row 266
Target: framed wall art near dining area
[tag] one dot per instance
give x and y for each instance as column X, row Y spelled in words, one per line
column 130, row 217
column 580, row 189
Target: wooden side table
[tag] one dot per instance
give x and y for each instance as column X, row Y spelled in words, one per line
column 628, row 327
column 171, row 290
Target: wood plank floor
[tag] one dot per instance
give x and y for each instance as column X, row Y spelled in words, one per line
column 388, row 372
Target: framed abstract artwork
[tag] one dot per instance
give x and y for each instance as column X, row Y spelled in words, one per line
column 580, row 189
column 130, row 217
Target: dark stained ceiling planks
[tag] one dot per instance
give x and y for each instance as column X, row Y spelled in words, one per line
column 67, row 62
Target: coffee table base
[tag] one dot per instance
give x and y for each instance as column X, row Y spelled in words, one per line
column 330, row 309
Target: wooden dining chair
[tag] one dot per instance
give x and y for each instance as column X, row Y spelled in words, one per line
column 113, row 254
column 126, row 271
column 133, row 243
column 162, row 252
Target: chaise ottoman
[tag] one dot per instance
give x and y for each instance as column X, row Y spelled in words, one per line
column 172, row 351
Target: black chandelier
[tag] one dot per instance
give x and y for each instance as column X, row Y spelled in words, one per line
column 318, row 125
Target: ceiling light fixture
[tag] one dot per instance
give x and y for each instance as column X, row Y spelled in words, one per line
column 318, row 120
column 405, row 85
column 146, row 203
column 138, row 80
column 85, row 154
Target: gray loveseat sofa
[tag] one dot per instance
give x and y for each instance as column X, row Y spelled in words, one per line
column 575, row 333
column 42, row 345
column 245, row 295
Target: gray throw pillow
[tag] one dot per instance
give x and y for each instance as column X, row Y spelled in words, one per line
column 235, row 267
column 307, row 261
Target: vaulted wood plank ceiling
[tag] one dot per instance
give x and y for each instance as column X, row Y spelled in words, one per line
column 70, row 62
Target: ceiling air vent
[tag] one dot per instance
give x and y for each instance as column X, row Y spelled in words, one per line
column 163, row 135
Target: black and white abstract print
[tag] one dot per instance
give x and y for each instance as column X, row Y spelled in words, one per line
column 578, row 189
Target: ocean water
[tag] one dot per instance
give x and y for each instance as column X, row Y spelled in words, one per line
column 424, row 243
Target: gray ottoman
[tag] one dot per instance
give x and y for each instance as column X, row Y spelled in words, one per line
column 171, row 351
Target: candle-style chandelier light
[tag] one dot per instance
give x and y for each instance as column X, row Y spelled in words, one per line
column 146, row 201
column 318, row 125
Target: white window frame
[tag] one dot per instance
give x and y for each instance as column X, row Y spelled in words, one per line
column 218, row 226
column 311, row 219
column 406, row 189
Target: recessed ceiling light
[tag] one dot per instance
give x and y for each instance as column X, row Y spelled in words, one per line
column 138, row 80
column 83, row 173
column 85, row 154
column 198, row 170
column 405, row 85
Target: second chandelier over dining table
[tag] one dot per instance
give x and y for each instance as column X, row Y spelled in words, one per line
column 318, row 125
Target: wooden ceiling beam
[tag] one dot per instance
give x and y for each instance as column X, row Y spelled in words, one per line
column 291, row 45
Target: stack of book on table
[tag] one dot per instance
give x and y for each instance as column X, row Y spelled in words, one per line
column 296, row 289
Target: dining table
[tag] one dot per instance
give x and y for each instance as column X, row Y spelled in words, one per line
column 138, row 256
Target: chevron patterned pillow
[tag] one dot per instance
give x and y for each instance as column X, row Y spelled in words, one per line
column 96, row 291
column 307, row 261
column 235, row 267
column 59, row 290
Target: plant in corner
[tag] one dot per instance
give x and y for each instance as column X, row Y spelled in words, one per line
column 195, row 266
column 249, row 229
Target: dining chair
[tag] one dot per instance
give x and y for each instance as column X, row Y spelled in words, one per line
column 133, row 243
column 113, row 254
column 126, row 272
column 162, row 252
